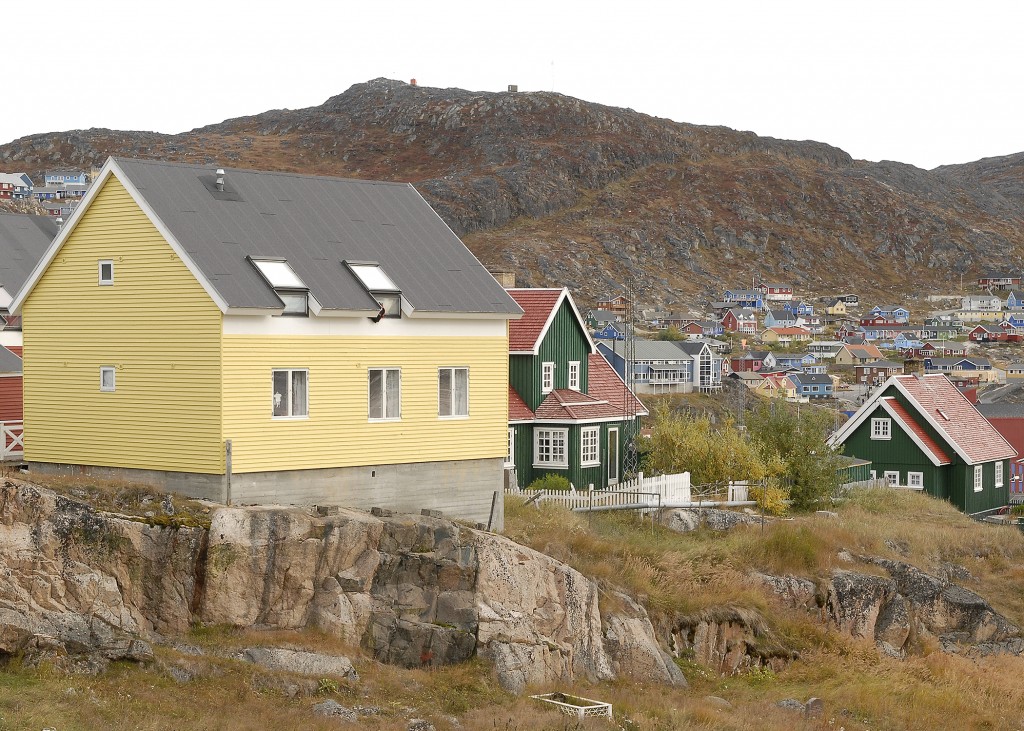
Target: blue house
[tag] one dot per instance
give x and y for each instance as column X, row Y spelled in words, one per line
column 903, row 341
column 798, row 308
column 794, row 360
column 744, row 298
column 892, row 313
column 661, row 366
column 65, row 177
column 812, row 385
column 948, row 365
column 611, row 332
column 1015, row 300
column 780, row 318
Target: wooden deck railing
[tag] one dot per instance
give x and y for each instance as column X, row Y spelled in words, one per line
column 12, row 440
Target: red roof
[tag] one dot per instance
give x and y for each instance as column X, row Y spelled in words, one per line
column 954, row 416
column 604, row 383
column 607, row 398
column 517, row 408
column 537, row 305
column 897, row 409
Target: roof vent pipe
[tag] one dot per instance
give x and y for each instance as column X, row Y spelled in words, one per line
column 220, row 178
column 60, row 223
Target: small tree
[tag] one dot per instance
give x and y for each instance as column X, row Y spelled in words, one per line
column 670, row 333
column 798, row 437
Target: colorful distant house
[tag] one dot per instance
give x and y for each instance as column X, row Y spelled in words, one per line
column 812, row 385
column 597, row 319
column 921, row 432
column 661, row 366
column 740, row 320
column 785, row 335
column 1008, row 420
column 836, row 307
column 744, row 298
column 891, row 313
column 570, row 414
column 775, row 292
column 799, row 308
column 255, row 337
column 857, row 354
column 877, row 372
column 614, row 303
column 780, row 318
column 999, row 280
column 65, row 177
column 1015, row 300
column 993, row 334
column 15, row 186
column 753, row 361
column 953, row 367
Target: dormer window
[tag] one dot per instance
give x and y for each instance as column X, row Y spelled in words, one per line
column 380, row 286
column 290, row 289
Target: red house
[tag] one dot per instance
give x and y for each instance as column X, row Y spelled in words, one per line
column 739, row 320
column 1008, row 419
column 983, row 334
column 11, row 413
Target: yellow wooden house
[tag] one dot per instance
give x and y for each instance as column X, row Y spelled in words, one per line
column 256, row 337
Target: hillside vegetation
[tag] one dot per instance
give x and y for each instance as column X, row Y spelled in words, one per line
column 673, row 575
column 568, row 192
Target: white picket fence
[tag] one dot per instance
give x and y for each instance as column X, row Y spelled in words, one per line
column 12, row 440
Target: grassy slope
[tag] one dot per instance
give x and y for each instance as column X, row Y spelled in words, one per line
column 672, row 574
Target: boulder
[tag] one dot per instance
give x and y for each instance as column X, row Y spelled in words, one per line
column 313, row 664
column 633, row 648
column 684, row 520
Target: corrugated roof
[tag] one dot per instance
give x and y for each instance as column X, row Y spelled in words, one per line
column 1001, row 410
column 314, row 223
column 910, row 425
column 23, row 241
column 537, row 306
column 9, row 362
column 949, row 411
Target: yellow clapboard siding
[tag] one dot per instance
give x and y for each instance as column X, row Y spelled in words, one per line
column 337, row 432
column 155, row 324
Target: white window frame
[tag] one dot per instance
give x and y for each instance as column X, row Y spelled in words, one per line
column 394, row 414
column 104, row 370
column 892, row 477
column 590, row 453
column 510, row 458
column 558, row 456
column 574, row 375
column 547, row 377
column 999, row 474
column 915, row 479
column 105, row 281
column 290, row 396
column 452, row 400
column 881, row 428
column 979, row 482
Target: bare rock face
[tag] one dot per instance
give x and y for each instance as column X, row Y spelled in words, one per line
column 633, row 647
column 728, row 640
column 794, row 591
column 538, row 618
column 854, row 601
column 684, row 520
column 314, row 664
column 79, row 584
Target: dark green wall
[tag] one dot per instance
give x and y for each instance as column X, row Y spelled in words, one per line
column 581, row 477
column 565, row 341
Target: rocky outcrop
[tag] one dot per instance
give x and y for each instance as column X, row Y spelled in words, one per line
column 910, row 604
column 727, row 639
column 411, row 590
column 684, row 520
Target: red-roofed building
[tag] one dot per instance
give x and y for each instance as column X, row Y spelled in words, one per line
column 921, row 432
column 569, row 412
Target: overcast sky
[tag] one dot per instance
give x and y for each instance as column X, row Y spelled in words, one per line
column 927, row 83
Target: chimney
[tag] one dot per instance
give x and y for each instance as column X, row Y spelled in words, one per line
column 220, row 178
column 513, row 88
column 505, row 279
column 60, row 223
column 412, row 82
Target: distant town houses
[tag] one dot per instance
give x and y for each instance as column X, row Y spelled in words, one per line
column 741, row 320
column 774, row 292
column 662, row 366
column 999, row 280
column 15, row 186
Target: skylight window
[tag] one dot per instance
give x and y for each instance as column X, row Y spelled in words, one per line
column 380, row 286
column 279, row 274
column 290, row 289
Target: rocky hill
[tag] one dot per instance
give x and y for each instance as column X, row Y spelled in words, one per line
column 566, row 191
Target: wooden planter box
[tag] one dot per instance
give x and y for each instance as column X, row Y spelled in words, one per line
column 574, row 705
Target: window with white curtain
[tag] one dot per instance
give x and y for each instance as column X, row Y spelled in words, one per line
column 453, row 392
column 385, row 399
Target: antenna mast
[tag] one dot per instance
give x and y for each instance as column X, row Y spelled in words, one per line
column 631, row 463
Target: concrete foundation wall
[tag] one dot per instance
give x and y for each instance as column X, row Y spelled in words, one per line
column 463, row 489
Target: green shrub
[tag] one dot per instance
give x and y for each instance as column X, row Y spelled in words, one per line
column 550, row 482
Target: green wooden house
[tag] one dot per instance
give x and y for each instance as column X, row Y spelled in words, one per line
column 569, row 412
column 920, row 432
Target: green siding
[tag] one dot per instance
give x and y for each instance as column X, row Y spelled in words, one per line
column 565, row 341
column 953, row 482
column 581, row 477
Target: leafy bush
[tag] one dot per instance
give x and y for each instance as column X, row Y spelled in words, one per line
column 550, row 482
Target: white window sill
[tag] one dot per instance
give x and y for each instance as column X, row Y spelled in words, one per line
column 551, row 465
column 454, row 417
column 391, row 418
column 304, row 417
column 881, row 439
column 590, row 464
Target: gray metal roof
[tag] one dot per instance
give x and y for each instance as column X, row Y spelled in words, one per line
column 315, row 223
column 23, row 241
column 9, row 362
column 1001, row 410
column 651, row 350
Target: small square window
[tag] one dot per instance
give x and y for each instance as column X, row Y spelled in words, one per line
column 106, row 267
column 108, row 381
column 453, row 392
column 590, row 440
column 385, row 394
column 547, row 378
column 881, row 428
column 915, row 479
